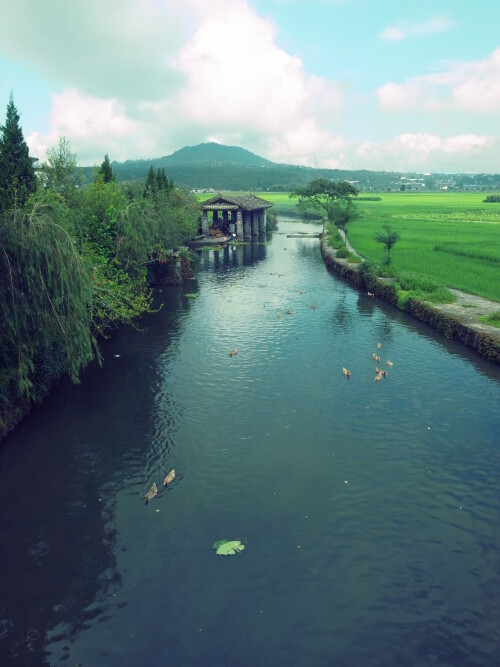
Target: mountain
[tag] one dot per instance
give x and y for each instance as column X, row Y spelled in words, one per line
column 218, row 167
column 215, row 155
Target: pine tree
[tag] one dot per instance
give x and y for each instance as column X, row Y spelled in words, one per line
column 162, row 179
column 17, row 174
column 151, row 183
column 106, row 171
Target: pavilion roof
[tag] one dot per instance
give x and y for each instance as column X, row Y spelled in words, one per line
column 246, row 202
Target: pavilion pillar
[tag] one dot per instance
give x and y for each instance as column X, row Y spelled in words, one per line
column 247, row 225
column 255, row 223
column 262, row 220
column 204, row 225
column 239, row 225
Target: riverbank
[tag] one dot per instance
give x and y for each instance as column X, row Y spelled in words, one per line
column 176, row 270
column 458, row 320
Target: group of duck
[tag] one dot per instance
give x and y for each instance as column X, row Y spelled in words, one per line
column 153, row 491
column 380, row 373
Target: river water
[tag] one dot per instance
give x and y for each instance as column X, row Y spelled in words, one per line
column 369, row 511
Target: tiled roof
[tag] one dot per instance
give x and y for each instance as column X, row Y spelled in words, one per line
column 247, row 202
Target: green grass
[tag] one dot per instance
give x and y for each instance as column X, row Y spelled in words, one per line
column 493, row 320
column 452, row 238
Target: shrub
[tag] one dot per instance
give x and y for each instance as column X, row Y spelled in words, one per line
column 343, row 252
column 333, row 237
column 368, row 274
column 409, row 285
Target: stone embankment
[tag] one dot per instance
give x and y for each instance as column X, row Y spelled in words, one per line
column 458, row 320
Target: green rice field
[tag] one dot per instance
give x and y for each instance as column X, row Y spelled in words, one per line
column 453, row 238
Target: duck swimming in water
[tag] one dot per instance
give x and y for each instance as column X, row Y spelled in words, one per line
column 153, row 491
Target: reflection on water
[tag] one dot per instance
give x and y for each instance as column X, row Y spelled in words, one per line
column 370, row 510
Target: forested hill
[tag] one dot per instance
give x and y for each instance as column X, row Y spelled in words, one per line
column 218, row 167
column 216, row 155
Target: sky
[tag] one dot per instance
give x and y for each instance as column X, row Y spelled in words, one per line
column 349, row 84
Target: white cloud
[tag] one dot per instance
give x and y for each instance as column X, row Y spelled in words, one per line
column 88, row 123
column 468, row 87
column 407, row 29
column 120, row 48
column 308, row 145
column 237, row 76
column 171, row 74
column 231, row 80
column 429, row 152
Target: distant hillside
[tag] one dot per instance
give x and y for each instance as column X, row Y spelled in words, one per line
column 214, row 166
column 215, row 155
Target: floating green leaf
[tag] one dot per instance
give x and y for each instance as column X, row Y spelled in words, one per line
column 228, row 547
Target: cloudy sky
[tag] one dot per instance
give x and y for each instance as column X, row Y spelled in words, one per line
column 353, row 84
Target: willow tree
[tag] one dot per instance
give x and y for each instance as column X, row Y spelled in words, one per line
column 45, row 299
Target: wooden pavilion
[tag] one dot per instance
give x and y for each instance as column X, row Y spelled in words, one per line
column 242, row 215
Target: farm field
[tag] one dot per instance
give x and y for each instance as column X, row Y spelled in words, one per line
column 453, row 238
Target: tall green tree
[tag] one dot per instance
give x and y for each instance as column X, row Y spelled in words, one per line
column 106, row 171
column 333, row 199
column 17, row 174
column 151, row 186
column 60, row 172
column 162, row 180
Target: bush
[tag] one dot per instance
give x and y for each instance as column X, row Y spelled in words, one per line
column 368, row 275
column 343, row 252
column 409, row 285
column 333, row 237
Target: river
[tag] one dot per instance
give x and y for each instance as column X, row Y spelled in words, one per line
column 369, row 511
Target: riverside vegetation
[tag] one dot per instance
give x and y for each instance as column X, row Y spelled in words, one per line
column 74, row 261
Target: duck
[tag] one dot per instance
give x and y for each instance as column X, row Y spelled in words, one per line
column 289, row 312
column 346, row 372
column 378, row 377
column 302, row 291
column 380, row 372
column 169, row 477
column 233, row 352
column 389, row 363
column 376, row 357
column 379, row 345
column 314, row 306
column 370, row 294
column 151, row 493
